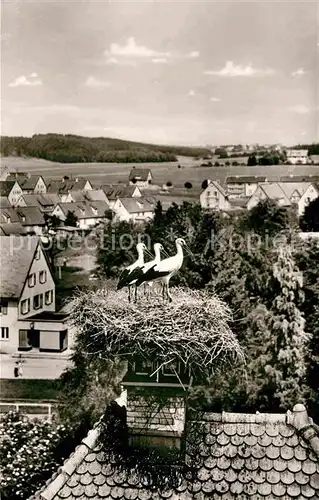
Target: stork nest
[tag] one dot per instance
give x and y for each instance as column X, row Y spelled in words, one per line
column 193, row 329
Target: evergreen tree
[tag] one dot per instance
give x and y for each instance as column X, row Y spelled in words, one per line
column 310, row 219
column 277, row 342
column 71, row 219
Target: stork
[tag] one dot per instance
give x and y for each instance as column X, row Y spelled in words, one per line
column 165, row 269
column 158, row 247
column 130, row 273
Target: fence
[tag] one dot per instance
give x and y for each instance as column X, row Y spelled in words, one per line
column 33, row 409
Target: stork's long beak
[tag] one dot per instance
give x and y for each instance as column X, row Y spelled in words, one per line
column 148, row 253
column 165, row 253
column 188, row 251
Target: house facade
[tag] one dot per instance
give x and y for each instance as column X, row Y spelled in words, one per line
column 269, row 191
column 27, row 297
column 243, row 185
column 12, row 190
column 141, row 177
column 311, row 193
column 297, row 156
column 137, row 210
column 88, row 214
column 214, row 197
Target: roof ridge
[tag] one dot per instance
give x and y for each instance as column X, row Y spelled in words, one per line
column 70, row 464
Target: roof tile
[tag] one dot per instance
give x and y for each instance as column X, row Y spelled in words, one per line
column 248, row 457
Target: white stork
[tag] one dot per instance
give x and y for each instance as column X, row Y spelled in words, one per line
column 158, row 247
column 165, row 269
column 130, row 273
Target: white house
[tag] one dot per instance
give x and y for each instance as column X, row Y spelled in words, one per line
column 88, row 214
column 12, row 190
column 27, row 298
column 141, row 177
column 113, row 192
column 214, row 197
column 64, row 186
column 297, row 156
column 237, row 186
column 311, row 193
column 45, row 202
column 269, row 191
column 133, row 209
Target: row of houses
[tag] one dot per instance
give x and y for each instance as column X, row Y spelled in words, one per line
column 26, row 201
column 243, row 193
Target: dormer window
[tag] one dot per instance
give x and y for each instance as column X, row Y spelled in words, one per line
column 7, row 218
column 22, row 216
column 82, row 209
column 94, row 210
column 31, row 280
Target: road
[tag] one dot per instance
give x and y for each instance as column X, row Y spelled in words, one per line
column 35, row 368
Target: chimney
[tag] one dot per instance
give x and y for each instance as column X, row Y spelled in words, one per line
column 304, row 425
column 156, row 404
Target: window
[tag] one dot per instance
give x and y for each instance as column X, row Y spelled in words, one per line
column 37, row 301
column 48, row 297
column 31, row 280
column 25, row 306
column 42, row 276
column 3, row 307
column 4, row 333
column 37, row 254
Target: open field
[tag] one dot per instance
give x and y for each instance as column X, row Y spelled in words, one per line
column 190, row 170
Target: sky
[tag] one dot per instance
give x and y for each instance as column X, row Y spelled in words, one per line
column 165, row 72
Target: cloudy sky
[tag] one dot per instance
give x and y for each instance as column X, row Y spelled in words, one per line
column 165, row 72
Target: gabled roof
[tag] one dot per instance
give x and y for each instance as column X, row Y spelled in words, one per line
column 30, row 182
column 289, row 188
column 136, row 205
column 32, row 216
column 273, row 191
column 16, row 256
column 12, row 228
column 86, row 209
column 4, row 202
column 64, row 186
column 233, row 456
column 96, row 195
column 9, row 212
column 6, row 187
column 243, row 179
column 42, row 201
column 139, row 174
column 114, row 192
column 217, row 186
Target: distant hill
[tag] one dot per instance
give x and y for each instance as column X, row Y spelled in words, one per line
column 78, row 149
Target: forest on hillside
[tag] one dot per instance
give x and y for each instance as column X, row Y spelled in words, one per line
column 78, row 149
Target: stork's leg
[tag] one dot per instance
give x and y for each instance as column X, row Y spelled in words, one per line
column 129, row 294
column 163, row 290
column 135, row 294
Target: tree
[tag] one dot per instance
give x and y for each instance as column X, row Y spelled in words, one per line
column 30, row 452
column 252, row 161
column 52, row 221
column 278, row 364
column 267, row 218
column 188, row 185
column 71, row 219
column 310, row 219
column 169, row 184
column 205, row 184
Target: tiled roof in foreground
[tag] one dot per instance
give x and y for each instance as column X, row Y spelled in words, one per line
column 239, row 456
